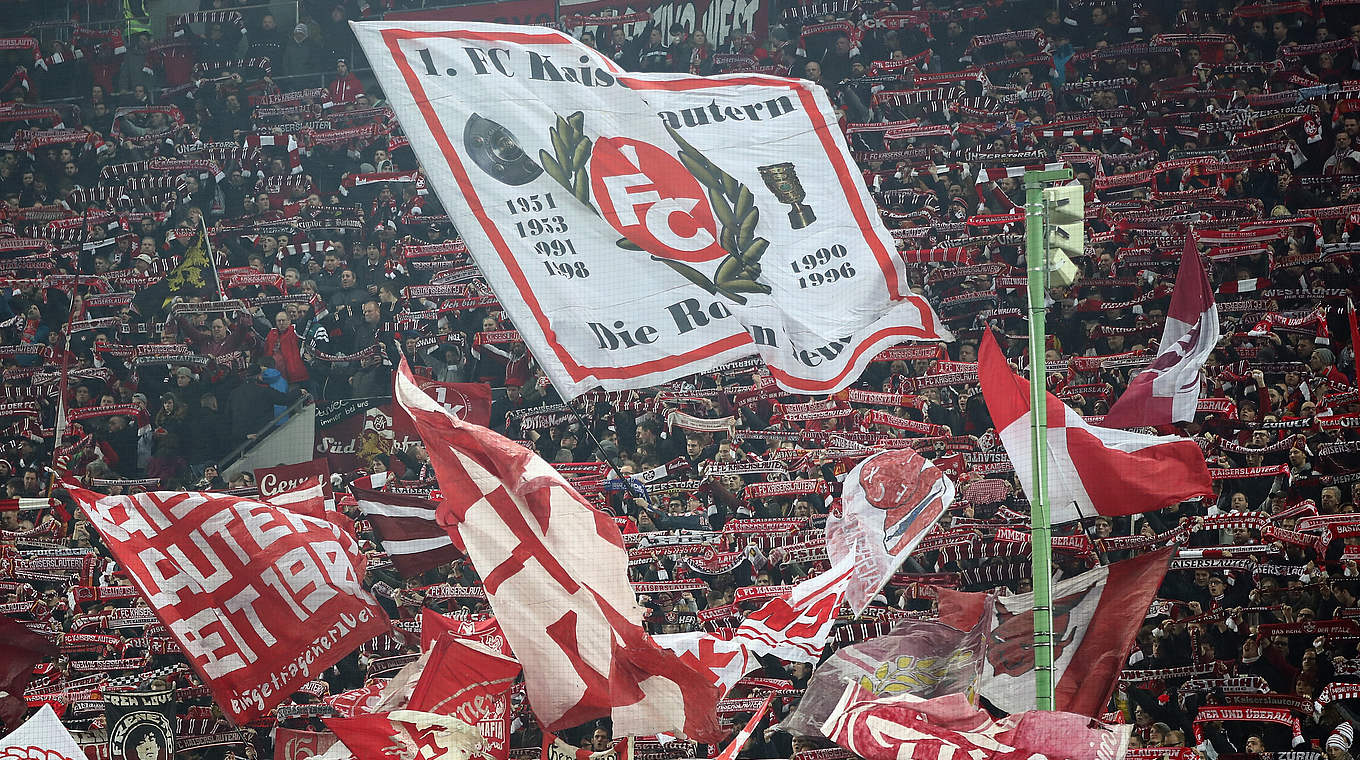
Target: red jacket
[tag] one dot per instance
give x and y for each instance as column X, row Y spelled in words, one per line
column 345, row 89
column 286, row 349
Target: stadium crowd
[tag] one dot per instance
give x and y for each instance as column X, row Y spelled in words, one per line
column 1237, row 118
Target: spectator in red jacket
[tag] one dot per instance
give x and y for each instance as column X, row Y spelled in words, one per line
column 345, row 87
column 283, row 344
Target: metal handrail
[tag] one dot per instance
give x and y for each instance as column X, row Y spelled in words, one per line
column 226, row 462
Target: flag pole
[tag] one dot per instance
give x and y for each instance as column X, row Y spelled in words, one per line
column 212, row 257
column 1036, row 264
column 1355, row 337
column 59, row 432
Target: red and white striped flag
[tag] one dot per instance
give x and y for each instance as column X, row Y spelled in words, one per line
column 1168, row 390
column 408, row 531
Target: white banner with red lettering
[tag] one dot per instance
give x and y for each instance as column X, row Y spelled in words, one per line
column 904, row 725
column 260, row 599
column 642, row 227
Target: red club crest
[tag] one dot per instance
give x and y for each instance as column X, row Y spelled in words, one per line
column 650, row 198
column 1011, row 650
column 909, row 490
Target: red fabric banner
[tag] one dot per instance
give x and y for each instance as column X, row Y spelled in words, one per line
column 214, row 568
column 273, row 481
column 469, row 682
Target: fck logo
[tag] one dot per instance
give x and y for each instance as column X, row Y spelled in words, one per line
column 649, row 197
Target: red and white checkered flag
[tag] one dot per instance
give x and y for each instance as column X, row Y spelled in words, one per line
column 556, row 573
column 1091, row 470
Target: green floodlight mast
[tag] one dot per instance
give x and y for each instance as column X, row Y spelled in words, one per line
column 1039, row 263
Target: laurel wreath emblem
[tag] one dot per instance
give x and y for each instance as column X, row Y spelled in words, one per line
column 736, row 210
column 733, row 204
column 572, row 150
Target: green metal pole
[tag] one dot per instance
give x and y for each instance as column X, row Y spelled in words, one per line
column 1036, row 262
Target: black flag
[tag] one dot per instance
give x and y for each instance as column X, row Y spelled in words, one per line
column 141, row 724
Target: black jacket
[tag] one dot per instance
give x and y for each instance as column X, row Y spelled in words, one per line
column 210, row 432
column 252, row 407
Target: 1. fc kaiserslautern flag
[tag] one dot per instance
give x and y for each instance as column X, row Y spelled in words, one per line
column 643, row 227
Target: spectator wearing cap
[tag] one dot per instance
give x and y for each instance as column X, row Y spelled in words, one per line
column 1323, row 363
column 345, row 87
column 372, row 270
column 1339, row 742
column 301, row 54
column 185, row 385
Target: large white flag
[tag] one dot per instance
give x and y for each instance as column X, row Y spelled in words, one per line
column 639, row 228
column 42, row 737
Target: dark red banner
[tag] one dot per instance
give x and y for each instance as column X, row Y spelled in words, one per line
column 350, row 433
column 716, row 18
column 273, row 481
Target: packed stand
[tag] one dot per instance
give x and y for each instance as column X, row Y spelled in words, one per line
column 326, row 262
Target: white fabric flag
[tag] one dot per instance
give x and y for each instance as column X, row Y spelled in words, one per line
column 891, row 500
column 41, row 737
column 643, row 227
